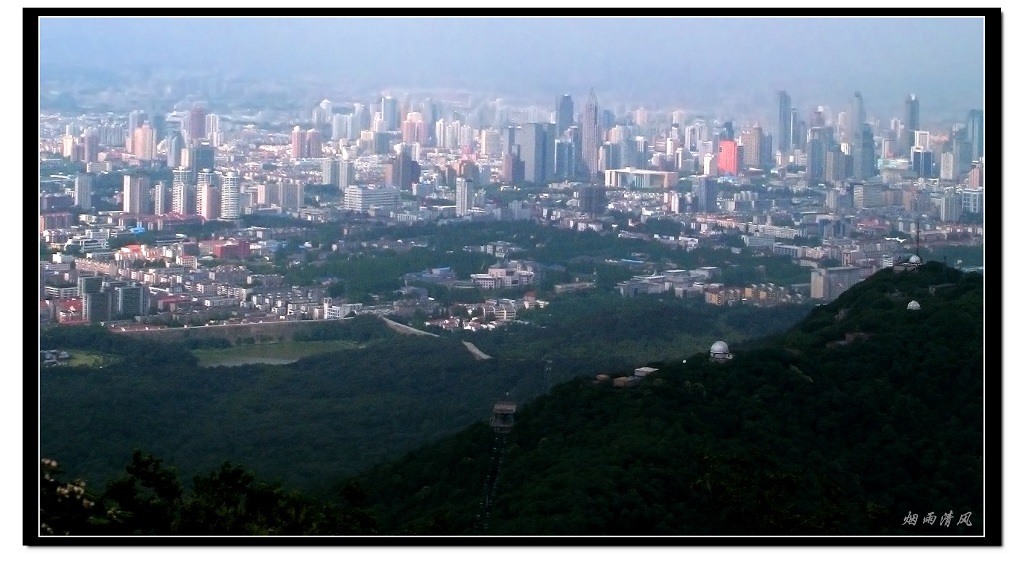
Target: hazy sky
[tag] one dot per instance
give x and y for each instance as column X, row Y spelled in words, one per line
column 668, row 59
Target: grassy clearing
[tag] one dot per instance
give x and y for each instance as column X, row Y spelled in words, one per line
column 90, row 359
column 286, row 351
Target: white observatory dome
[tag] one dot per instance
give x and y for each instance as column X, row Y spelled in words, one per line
column 719, row 347
column 913, row 305
column 915, row 259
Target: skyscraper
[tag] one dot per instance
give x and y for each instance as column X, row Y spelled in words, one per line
column 83, row 191
column 230, row 194
column 591, row 140
column 135, row 197
column 196, row 130
column 144, row 143
column 816, row 156
column 563, row 113
column 728, row 157
column 911, row 123
column 298, row 143
column 389, row 112
column 785, row 128
column 314, row 146
column 90, row 145
column 706, row 194
column 534, row 150
column 200, row 157
column 462, row 197
column 859, row 116
column 864, row 153
column 207, row 195
column 162, row 198
column 976, row 132
column 181, row 191
column 174, row 144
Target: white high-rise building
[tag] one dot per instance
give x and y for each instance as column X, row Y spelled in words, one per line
column 230, row 193
column 136, row 194
column 462, row 197
column 180, row 190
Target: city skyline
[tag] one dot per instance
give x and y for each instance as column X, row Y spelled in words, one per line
column 688, row 61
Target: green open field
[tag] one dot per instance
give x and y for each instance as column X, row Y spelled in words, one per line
column 89, row 358
column 270, row 352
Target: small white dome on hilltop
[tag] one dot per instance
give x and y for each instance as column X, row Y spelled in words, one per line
column 719, row 347
column 913, row 305
column 915, row 259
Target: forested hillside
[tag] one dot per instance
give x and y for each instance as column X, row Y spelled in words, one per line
column 803, row 436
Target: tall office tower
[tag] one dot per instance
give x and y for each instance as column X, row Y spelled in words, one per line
column 591, row 138
column 859, row 116
column 207, row 195
column 976, row 133
column 182, row 198
column 785, row 130
column 174, row 144
column 200, row 157
column 414, row 128
column 313, row 143
column 565, row 160
column 678, row 117
column 298, row 143
column 835, row 165
column 462, row 197
column 911, row 123
column 230, row 194
column 864, row 153
column 640, row 157
column 136, row 194
column 90, row 145
column 162, row 199
column 389, row 113
column 563, row 113
column 534, row 150
column 751, row 140
column 83, row 191
column 962, row 155
column 705, row 193
column 816, row 148
column 144, row 143
column 134, row 120
column 339, row 126
column 728, row 157
column 196, row 129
